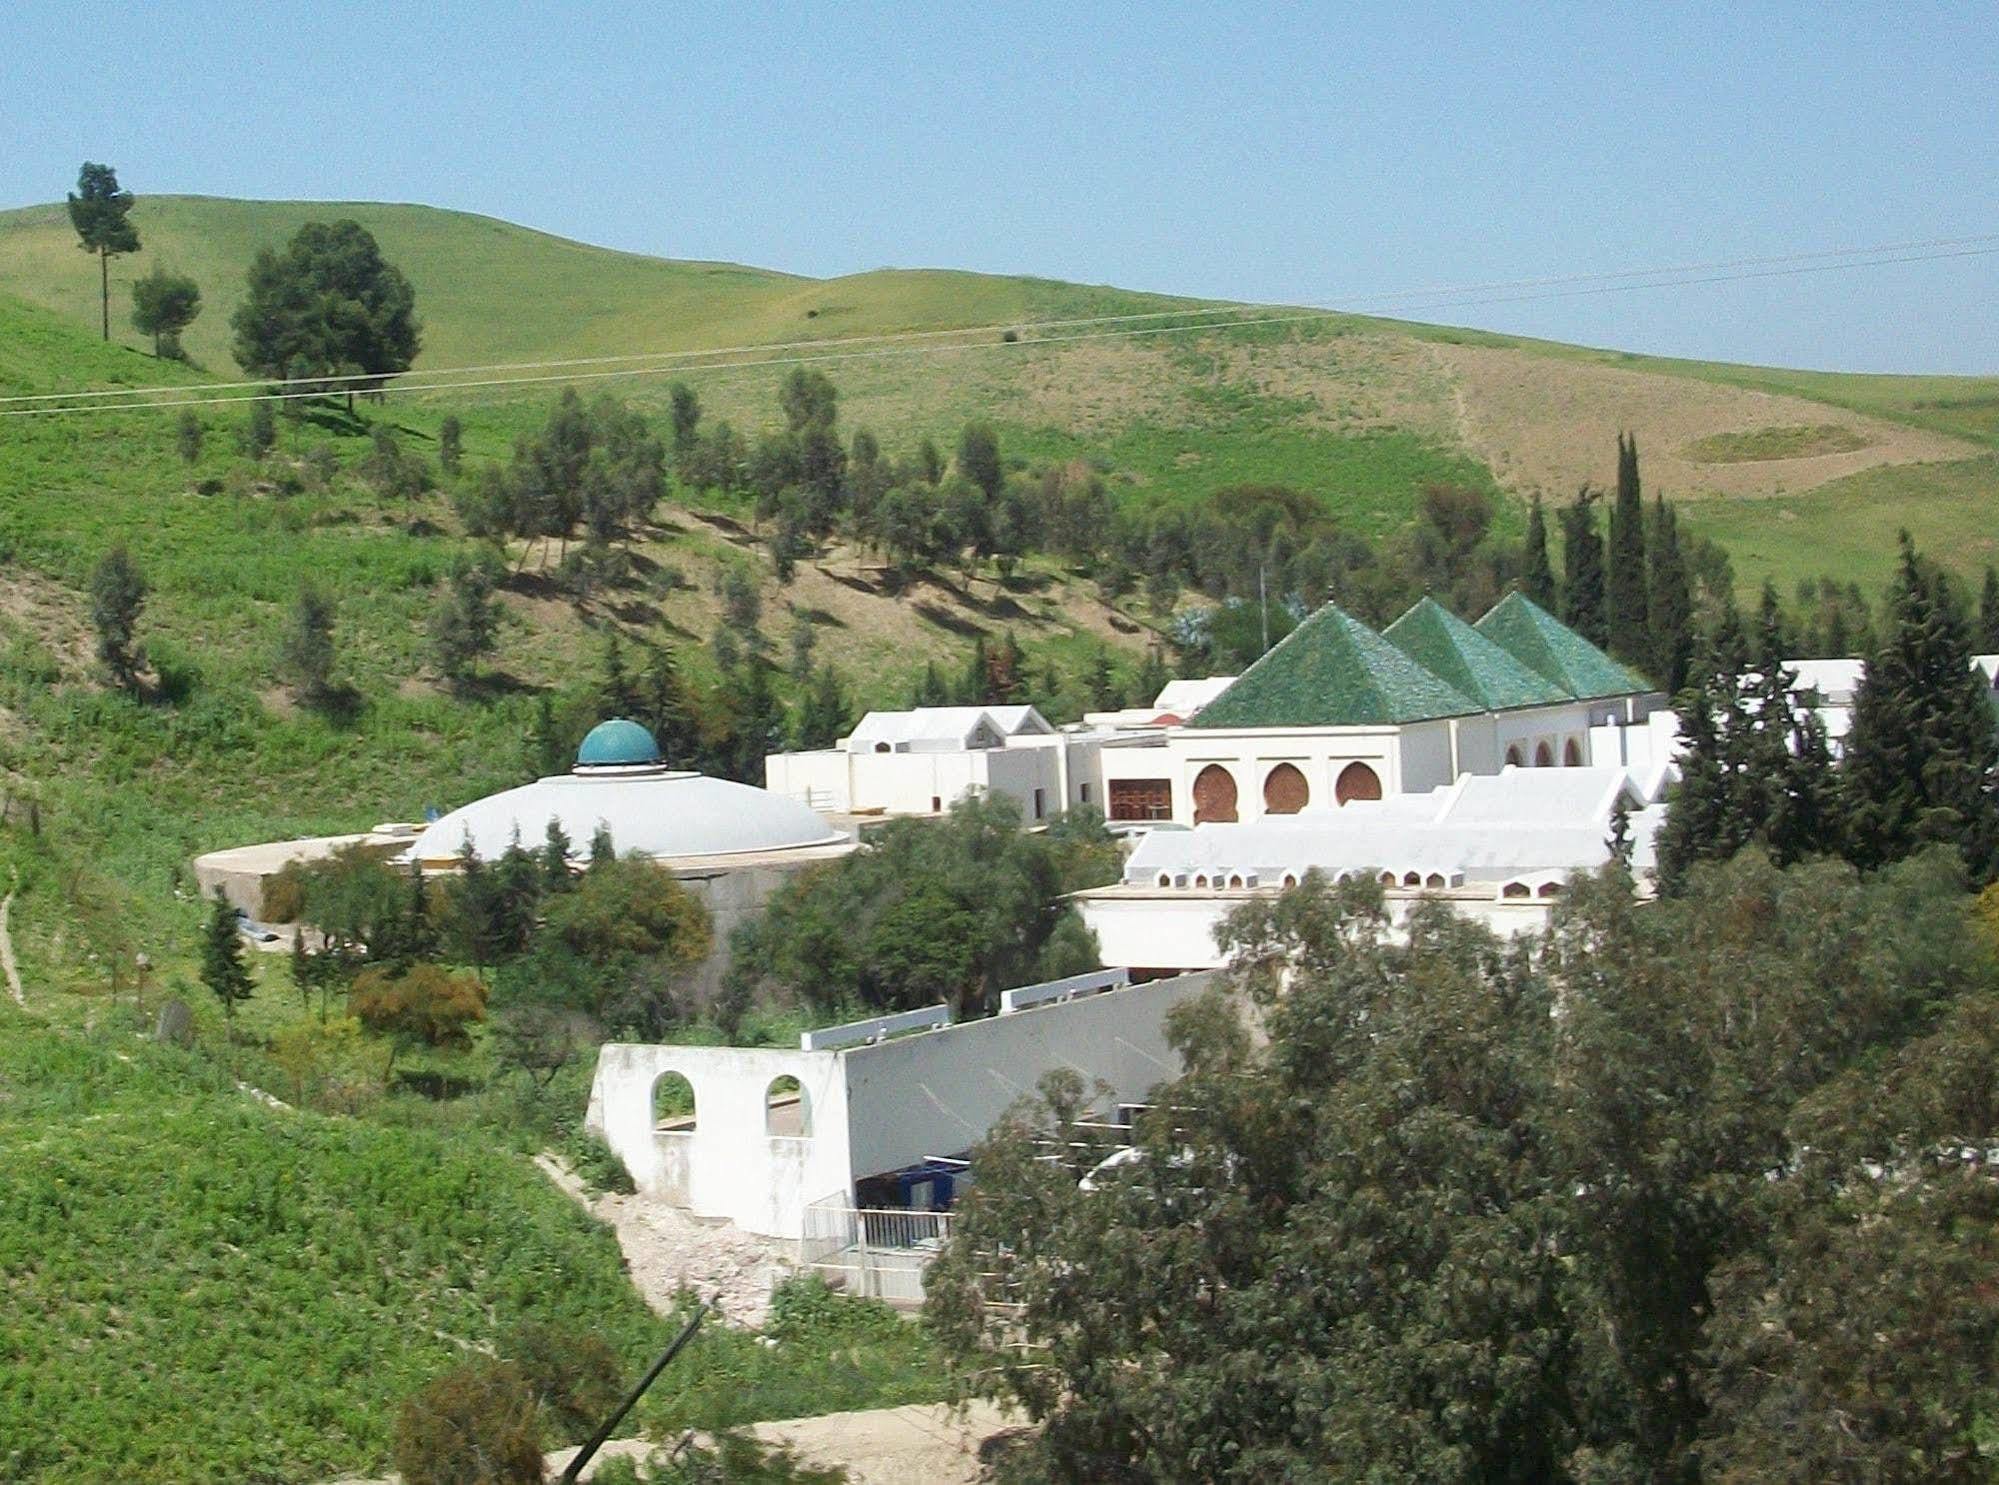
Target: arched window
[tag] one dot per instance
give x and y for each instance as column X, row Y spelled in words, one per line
column 1572, row 756
column 673, row 1104
column 1551, row 889
column 1290, row 879
column 786, row 1111
column 1513, row 758
column 883, row 748
column 1412, row 879
column 1201, row 879
column 1388, row 879
column 1235, row 879
column 1544, row 756
column 1166, row 879
column 1357, row 781
column 1435, row 879
column 1214, row 795
column 1515, row 890
column 1285, row 791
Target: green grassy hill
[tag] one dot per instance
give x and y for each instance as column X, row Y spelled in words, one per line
column 491, row 291
column 1360, row 410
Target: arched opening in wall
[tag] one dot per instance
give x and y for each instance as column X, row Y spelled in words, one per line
column 1572, row 755
column 1551, row 889
column 883, row 748
column 1290, row 879
column 672, row 1104
column 1412, row 879
column 1214, row 796
column 1514, row 891
column 1201, row 879
column 1165, row 879
column 1235, row 879
column 1357, row 781
column 786, row 1111
column 1544, row 756
column 1285, row 791
column 1434, row 880
column 1388, row 879
column 1513, row 758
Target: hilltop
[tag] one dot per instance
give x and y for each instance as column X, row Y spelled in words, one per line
column 1794, row 472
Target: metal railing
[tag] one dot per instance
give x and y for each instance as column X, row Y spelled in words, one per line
column 875, row 1253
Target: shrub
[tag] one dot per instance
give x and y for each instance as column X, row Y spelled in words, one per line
column 284, row 894
column 424, row 1005
column 574, row 1376
column 477, row 1425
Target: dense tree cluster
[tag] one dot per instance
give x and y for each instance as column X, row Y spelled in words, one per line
column 1919, row 767
column 952, row 910
column 596, row 466
column 1690, row 1191
column 564, row 953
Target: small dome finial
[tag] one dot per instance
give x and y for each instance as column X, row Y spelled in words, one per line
column 618, row 743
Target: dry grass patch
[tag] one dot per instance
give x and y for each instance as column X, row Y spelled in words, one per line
column 1541, row 423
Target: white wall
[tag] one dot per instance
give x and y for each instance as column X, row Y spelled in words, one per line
column 1319, row 753
column 940, row 1092
column 1426, row 758
column 727, row 1166
column 1174, row 928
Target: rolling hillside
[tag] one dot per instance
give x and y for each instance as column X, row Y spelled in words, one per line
column 1362, row 411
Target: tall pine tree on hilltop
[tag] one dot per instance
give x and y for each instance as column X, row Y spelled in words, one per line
column 1582, row 570
column 1922, row 754
column 1625, row 583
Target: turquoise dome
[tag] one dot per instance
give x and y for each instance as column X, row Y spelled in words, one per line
column 617, row 744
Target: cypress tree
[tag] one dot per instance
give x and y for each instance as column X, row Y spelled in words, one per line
column 930, row 690
column 616, row 698
column 665, row 708
column 1582, row 570
column 1537, row 577
column 823, row 714
column 222, row 968
column 1669, row 601
column 1988, row 613
column 555, row 849
column 1700, row 801
column 603, row 851
column 1921, row 755
column 1626, row 579
column 973, row 686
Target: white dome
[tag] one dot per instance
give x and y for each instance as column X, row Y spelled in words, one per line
column 652, row 811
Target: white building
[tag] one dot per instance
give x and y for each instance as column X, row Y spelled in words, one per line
column 1497, row 847
column 1836, row 683
column 729, row 844
column 920, row 762
column 777, row 1131
column 1338, row 712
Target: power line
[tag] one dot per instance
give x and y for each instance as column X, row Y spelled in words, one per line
column 887, row 345
column 1451, row 295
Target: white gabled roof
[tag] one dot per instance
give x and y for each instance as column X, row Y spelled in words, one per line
column 1836, row 681
column 940, row 729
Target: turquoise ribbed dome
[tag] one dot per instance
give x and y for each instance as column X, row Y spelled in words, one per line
column 617, row 744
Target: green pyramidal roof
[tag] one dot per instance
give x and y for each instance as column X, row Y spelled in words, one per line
column 1445, row 645
column 1549, row 647
column 1334, row 671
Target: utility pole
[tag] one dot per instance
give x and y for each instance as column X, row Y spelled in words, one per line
column 584, row 1455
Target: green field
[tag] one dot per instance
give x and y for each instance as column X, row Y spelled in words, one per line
column 1847, row 529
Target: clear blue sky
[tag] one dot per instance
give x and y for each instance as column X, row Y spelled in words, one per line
column 1294, row 153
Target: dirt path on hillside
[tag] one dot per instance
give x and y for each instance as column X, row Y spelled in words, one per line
column 667, row 1250
column 7, row 964
column 896, row 1446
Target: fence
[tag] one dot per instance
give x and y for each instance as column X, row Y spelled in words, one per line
column 875, row 1254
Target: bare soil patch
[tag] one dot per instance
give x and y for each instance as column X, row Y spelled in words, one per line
column 1547, row 425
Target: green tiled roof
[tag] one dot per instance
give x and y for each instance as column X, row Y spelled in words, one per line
column 1549, row 647
column 1334, row 671
column 1446, row 646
